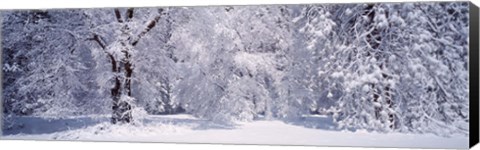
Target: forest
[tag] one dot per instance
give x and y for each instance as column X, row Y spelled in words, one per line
column 384, row 68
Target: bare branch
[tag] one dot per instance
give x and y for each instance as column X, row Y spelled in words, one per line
column 150, row 26
column 97, row 39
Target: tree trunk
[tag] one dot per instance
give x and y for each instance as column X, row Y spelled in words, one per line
column 121, row 93
column 121, row 107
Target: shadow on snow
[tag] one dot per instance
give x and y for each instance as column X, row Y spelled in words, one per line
column 322, row 122
column 38, row 125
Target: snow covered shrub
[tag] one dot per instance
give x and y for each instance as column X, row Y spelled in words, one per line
column 139, row 114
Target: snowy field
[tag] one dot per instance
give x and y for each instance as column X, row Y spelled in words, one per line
column 313, row 130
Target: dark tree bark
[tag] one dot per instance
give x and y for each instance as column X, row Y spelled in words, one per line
column 123, row 68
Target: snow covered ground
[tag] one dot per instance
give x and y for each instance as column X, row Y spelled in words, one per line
column 313, row 130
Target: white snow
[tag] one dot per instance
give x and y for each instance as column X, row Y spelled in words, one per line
column 337, row 74
column 329, row 95
column 312, row 130
column 254, row 62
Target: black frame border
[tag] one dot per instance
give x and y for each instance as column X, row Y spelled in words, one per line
column 474, row 74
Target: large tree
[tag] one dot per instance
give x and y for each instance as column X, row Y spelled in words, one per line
column 43, row 63
column 121, row 54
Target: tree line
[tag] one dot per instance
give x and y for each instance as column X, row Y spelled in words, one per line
column 380, row 66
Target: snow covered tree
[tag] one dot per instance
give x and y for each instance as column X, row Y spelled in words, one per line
column 360, row 64
column 154, row 84
column 230, row 73
column 368, row 83
column 436, row 63
column 43, row 63
column 121, row 54
column 313, row 59
column 264, row 60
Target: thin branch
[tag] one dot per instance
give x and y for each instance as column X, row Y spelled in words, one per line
column 150, row 26
column 97, row 39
